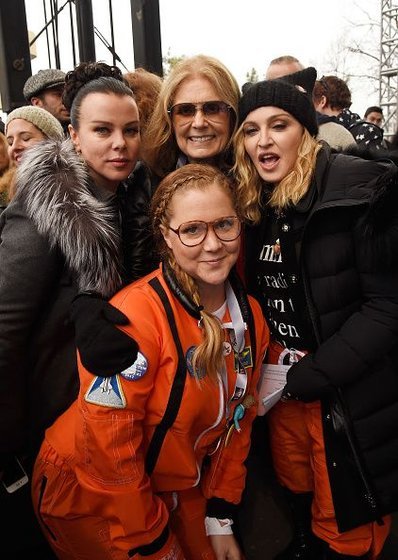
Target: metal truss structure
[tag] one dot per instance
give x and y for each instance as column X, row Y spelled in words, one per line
column 83, row 34
column 68, row 35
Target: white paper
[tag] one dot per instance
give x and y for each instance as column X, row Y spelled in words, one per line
column 273, row 380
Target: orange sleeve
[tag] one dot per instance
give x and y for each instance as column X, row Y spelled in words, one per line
column 110, row 436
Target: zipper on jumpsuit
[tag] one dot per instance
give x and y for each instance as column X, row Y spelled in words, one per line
column 221, row 410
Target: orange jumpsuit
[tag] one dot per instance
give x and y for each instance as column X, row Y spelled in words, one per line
column 298, row 453
column 90, row 489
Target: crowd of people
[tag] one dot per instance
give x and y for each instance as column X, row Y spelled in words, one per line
column 167, row 247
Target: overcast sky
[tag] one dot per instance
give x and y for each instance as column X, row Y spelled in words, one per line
column 244, row 34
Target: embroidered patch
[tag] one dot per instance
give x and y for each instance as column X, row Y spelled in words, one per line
column 227, row 348
column 188, row 359
column 245, row 357
column 106, row 391
column 137, row 369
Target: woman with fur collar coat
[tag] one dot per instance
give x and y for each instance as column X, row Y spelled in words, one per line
column 75, row 224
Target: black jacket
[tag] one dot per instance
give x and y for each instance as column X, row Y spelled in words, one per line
column 343, row 269
column 139, row 253
column 366, row 134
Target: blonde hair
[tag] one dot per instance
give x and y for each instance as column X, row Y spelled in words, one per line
column 7, row 175
column 288, row 192
column 208, row 356
column 159, row 147
column 3, row 141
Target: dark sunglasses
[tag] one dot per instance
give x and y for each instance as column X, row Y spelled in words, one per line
column 188, row 110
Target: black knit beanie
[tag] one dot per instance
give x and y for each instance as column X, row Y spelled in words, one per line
column 292, row 93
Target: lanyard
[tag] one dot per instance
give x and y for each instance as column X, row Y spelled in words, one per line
column 236, row 328
column 237, row 325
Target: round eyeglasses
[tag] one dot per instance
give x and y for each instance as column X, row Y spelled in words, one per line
column 187, row 111
column 194, row 233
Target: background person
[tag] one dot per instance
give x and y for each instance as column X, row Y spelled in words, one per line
column 26, row 126
column 99, row 499
column 65, row 222
column 332, row 97
column 146, row 88
column 321, row 259
column 44, row 90
column 283, row 65
column 374, row 115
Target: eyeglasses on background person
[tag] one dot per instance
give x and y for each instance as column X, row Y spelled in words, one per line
column 210, row 109
column 194, row 233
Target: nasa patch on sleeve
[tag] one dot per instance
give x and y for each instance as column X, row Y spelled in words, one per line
column 106, row 391
column 137, row 369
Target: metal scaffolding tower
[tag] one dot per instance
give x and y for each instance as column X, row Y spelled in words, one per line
column 389, row 65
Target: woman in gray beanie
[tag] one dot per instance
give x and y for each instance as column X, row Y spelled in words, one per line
column 321, row 257
column 28, row 125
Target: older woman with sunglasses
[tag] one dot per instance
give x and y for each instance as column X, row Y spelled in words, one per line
column 150, row 461
column 194, row 118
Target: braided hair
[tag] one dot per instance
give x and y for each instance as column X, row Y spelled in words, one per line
column 208, row 356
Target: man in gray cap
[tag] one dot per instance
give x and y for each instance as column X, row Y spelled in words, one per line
column 44, row 89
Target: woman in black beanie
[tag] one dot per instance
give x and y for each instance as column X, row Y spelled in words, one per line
column 321, row 258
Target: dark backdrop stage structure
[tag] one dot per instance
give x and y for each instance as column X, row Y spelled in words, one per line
column 15, row 66
column 16, row 45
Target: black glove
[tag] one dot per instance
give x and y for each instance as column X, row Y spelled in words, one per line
column 305, row 382
column 104, row 349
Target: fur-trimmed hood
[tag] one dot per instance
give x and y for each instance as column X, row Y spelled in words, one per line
column 52, row 183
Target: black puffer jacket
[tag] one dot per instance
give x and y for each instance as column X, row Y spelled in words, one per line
column 344, row 266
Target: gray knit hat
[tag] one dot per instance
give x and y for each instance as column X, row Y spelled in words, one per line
column 44, row 79
column 41, row 118
column 292, row 93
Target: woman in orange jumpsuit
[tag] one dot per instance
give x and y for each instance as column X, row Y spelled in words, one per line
column 150, row 462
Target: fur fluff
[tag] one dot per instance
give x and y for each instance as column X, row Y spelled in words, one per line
column 52, row 184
